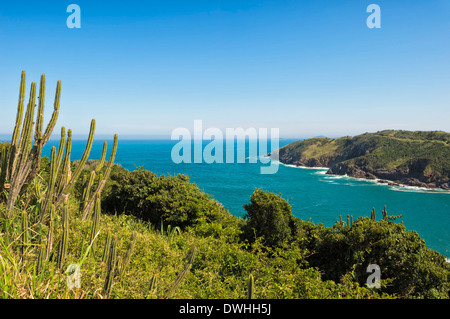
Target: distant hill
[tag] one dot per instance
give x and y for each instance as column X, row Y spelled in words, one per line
column 415, row 158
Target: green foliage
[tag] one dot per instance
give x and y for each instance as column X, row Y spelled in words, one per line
column 411, row 269
column 168, row 199
column 269, row 216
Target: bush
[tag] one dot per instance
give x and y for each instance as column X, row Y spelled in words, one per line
column 172, row 200
column 269, row 216
column 411, row 269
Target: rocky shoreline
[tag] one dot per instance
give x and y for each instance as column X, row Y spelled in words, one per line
column 392, row 177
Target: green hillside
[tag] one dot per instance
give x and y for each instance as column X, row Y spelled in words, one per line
column 416, row 158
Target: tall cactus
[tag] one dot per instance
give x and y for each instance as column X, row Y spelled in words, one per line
column 24, row 156
column 372, row 214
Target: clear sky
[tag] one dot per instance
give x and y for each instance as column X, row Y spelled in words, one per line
column 307, row 67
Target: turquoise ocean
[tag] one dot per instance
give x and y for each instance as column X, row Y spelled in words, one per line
column 312, row 194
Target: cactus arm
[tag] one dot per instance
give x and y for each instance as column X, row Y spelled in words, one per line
column 71, row 182
column 102, row 182
column 52, row 123
column 102, row 159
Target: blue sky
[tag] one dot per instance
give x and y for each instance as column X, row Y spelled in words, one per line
column 308, row 68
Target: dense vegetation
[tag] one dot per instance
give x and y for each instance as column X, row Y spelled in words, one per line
column 288, row 257
column 420, row 158
column 134, row 234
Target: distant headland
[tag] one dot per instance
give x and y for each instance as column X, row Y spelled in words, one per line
column 395, row 157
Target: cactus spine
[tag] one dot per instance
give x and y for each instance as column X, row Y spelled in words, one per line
column 251, row 287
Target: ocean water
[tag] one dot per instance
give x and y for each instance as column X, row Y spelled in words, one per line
column 311, row 193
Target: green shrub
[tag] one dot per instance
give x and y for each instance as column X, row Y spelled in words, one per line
column 269, row 216
column 172, row 200
column 412, row 270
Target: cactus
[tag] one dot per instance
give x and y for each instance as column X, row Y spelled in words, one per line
column 372, row 214
column 111, row 267
column 183, row 273
column 24, row 156
column 95, row 220
column 3, row 165
column 105, row 255
column 40, row 260
column 65, row 191
column 87, row 190
column 127, row 258
column 65, row 171
column 152, row 286
column 102, row 158
column 384, row 212
column 348, row 220
column 49, row 245
column 63, row 243
column 251, row 287
column 51, row 182
column 102, row 181
column 351, row 221
column 25, row 231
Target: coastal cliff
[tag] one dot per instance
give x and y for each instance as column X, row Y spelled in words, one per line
column 413, row 158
